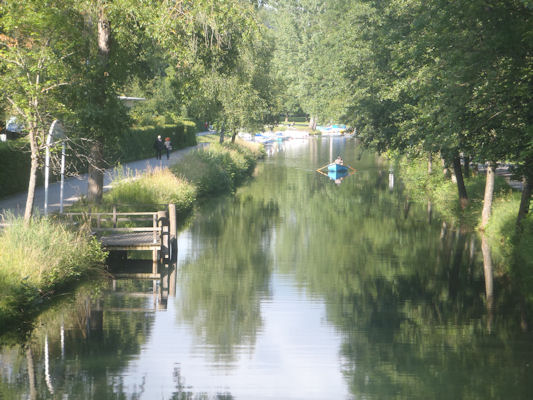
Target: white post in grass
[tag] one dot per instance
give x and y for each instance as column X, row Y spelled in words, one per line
column 56, row 131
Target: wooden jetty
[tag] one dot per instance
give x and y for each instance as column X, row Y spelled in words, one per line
column 122, row 232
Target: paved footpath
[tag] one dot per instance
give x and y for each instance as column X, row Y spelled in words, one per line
column 76, row 187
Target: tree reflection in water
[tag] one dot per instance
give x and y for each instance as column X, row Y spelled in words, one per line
column 413, row 300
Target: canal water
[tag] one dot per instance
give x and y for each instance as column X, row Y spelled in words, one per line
column 298, row 287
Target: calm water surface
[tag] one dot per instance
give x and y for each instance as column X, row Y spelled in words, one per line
column 297, row 288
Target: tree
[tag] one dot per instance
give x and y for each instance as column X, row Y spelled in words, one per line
column 37, row 42
column 238, row 90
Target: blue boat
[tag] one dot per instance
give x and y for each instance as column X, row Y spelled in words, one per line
column 335, row 175
column 337, row 168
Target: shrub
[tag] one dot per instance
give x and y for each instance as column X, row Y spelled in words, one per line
column 137, row 143
column 14, row 167
column 219, row 168
column 201, row 169
column 156, row 188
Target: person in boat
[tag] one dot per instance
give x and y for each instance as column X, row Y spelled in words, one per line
column 339, row 160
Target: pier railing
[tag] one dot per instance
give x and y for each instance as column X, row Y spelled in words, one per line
column 108, row 222
column 127, row 231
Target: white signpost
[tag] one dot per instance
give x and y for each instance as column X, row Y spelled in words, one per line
column 55, row 132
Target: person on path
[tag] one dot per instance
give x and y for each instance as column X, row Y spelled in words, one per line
column 168, row 146
column 158, row 147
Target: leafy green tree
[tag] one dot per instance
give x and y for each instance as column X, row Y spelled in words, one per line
column 39, row 42
column 238, row 94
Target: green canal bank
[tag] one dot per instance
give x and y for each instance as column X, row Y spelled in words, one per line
column 45, row 259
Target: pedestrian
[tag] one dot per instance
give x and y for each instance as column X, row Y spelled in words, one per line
column 158, row 147
column 168, row 146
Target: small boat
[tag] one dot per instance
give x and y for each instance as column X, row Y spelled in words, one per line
column 337, row 168
column 335, row 175
column 336, row 172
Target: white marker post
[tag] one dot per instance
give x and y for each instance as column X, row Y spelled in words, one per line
column 56, row 131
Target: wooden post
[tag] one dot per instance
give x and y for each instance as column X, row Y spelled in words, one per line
column 114, row 215
column 154, row 261
column 162, row 222
column 173, row 242
column 154, row 226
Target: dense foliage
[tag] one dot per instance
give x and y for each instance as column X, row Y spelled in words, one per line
column 443, row 80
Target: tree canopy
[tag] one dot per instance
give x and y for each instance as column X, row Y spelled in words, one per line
column 442, row 78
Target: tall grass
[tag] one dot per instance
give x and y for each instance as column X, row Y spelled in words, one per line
column 152, row 190
column 39, row 258
column 219, row 168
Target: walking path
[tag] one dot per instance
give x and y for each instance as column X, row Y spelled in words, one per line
column 76, row 187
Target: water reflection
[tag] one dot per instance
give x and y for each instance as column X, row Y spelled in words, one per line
column 294, row 289
column 488, row 271
column 222, row 289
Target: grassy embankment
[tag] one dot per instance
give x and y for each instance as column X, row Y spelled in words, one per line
column 39, row 260
column 44, row 258
column 512, row 252
column 201, row 173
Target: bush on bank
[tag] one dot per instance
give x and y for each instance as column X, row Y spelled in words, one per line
column 151, row 192
column 14, row 167
column 509, row 249
column 39, row 259
column 138, row 143
column 219, row 168
column 213, row 170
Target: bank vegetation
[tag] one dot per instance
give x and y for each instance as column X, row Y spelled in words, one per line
column 43, row 258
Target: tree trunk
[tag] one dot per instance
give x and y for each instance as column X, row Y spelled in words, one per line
column 525, row 201
column 467, row 166
column 463, row 197
column 233, row 135
column 430, row 164
column 312, row 123
column 30, row 199
column 31, row 373
column 489, row 280
column 95, row 188
column 221, row 137
column 445, row 169
column 487, row 199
